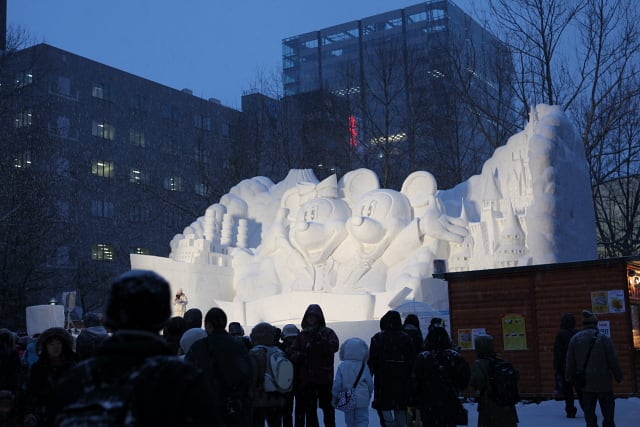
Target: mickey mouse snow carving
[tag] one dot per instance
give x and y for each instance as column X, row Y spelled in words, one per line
column 385, row 232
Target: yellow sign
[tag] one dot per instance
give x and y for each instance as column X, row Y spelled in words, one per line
column 514, row 333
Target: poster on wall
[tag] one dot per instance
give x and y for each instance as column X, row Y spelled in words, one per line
column 604, row 327
column 608, row 301
column 466, row 337
column 514, row 333
column 616, row 301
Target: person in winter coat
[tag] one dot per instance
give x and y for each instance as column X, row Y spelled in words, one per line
column 55, row 346
column 236, row 330
column 228, row 370
column 600, row 367
column 353, row 354
column 411, row 326
column 560, row 347
column 439, row 374
column 168, row 391
column 490, row 413
column 391, row 357
column 172, row 332
column 10, row 378
column 288, row 336
column 267, row 406
column 93, row 334
column 312, row 353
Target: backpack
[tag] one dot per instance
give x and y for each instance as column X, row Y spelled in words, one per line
column 105, row 403
column 278, row 374
column 450, row 372
column 503, row 382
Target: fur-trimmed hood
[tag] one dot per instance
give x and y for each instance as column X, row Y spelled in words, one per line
column 60, row 333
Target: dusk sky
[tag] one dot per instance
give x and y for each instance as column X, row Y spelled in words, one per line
column 216, row 48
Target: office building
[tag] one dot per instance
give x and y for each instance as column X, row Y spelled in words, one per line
column 96, row 164
column 416, row 80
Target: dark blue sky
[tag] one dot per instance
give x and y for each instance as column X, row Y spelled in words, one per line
column 216, row 48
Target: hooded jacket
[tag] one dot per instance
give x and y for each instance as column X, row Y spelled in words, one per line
column 353, row 354
column 45, row 372
column 561, row 343
column 313, row 349
column 391, row 356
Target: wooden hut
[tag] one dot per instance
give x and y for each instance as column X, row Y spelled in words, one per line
column 521, row 308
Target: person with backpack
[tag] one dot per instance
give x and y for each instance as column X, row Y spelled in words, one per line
column 353, row 375
column 493, row 410
column 226, row 366
column 391, row 358
column 560, row 348
column 313, row 353
column 267, row 403
column 594, row 355
column 439, row 374
column 134, row 379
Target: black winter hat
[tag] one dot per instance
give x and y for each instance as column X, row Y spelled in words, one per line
column 139, row 299
column 588, row 318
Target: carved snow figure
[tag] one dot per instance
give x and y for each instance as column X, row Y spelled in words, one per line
column 318, row 231
column 376, row 247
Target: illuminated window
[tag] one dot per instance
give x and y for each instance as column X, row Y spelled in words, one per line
column 141, row 251
column 136, row 138
column 102, row 209
column 398, row 137
column 24, row 118
column 102, row 252
column 103, row 130
column 136, row 176
column 22, row 161
column 173, row 183
column 101, row 168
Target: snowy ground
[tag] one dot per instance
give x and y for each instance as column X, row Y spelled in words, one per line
column 548, row 414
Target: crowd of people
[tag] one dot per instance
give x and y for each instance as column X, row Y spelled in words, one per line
column 149, row 368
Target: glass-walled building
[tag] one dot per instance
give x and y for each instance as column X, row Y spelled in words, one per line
column 409, row 75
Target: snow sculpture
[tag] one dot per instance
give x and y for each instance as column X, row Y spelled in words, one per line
column 353, row 244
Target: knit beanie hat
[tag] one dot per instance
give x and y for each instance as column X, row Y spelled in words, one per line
column 189, row 337
column 263, row 334
column 588, row 318
column 290, row 330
